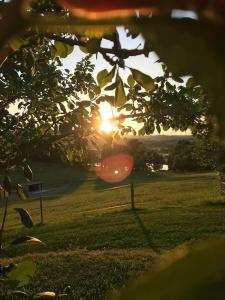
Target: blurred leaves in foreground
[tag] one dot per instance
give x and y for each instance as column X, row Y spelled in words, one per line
column 197, row 274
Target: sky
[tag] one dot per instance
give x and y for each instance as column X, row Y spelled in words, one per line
column 145, row 64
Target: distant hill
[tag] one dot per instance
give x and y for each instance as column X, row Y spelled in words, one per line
column 161, row 141
column 151, row 142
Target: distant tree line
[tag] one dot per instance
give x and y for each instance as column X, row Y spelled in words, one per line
column 197, row 155
column 145, row 159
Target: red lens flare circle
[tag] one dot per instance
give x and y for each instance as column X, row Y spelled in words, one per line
column 115, row 168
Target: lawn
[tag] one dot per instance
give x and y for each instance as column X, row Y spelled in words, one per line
column 95, row 242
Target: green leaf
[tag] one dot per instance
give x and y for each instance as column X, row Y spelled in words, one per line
column 129, row 106
column 28, row 174
column 23, row 195
column 142, row 131
column 111, row 74
column 130, row 80
column 190, row 83
column 25, row 217
column 105, row 77
column 144, row 80
column 101, row 77
column 85, row 103
column 16, row 43
column 120, row 95
column 62, row 107
column 93, row 45
column 26, row 239
column 60, row 98
column 111, row 86
column 23, row 272
column 62, row 50
column 7, row 184
column 158, row 128
column 84, row 49
column 110, row 99
column 96, row 89
column 45, row 295
column 43, row 128
column 178, row 79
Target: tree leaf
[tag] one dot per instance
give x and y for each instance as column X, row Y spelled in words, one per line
column 190, row 83
column 178, row 79
column 111, row 86
column 200, row 271
column 105, row 77
column 144, row 80
column 130, row 80
column 101, row 76
column 93, row 45
column 62, row 107
column 22, row 272
column 45, row 295
column 28, row 174
column 142, row 131
column 26, row 239
column 7, row 184
column 111, row 74
column 120, row 95
column 25, row 217
column 62, row 49
column 96, row 89
column 16, row 43
column 22, row 193
column 110, row 99
column 83, row 49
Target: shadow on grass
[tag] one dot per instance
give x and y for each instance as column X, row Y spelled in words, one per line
column 146, row 233
column 214, row 203
column 134, row 178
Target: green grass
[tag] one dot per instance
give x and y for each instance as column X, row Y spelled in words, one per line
column 95, row 242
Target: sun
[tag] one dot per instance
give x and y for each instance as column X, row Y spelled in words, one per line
column 107, row 114
column 107, row 127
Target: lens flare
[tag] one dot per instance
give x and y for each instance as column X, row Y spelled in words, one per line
column 115, row 168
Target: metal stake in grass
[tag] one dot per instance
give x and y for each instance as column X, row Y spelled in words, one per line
column 41, row 207
column 132, row 196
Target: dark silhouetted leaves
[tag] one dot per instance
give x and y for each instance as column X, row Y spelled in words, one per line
column 28, row 174
column 199, row 274
column 130, row 80
column 25, row 217
column 26, row 239
column 22, row 193
column 62, row 50
column 120, row 96
column 93, row 45
column 105, row 77
column 144, row 80
column 190, row 83
column 111, row 86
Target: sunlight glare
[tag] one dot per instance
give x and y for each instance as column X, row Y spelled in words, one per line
column 107, row 113
column 107, row 127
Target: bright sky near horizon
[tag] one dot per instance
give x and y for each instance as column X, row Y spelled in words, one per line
column 145, row 64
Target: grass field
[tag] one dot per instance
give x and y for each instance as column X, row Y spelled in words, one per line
column 95, row 242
